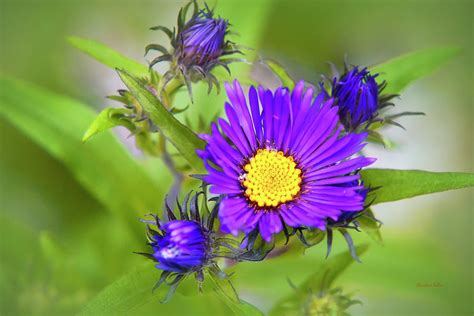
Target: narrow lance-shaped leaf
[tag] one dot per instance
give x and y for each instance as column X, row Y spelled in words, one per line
column 185, row 141
column 281, row 73
column 118, row 297
column 134, row 290
column 108, row 56
column 396, row 185
column 399, row 72
column 103, row 167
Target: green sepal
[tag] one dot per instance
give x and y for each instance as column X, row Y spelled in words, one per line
column 377, row 138
column 108, row 118
column 368, row 224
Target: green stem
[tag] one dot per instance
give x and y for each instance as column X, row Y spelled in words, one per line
column 169, row 91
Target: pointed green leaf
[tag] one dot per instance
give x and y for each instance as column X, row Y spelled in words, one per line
column 185, row 141
column 323, row 279
column 402, row 184
column 103, row 167
column 281, row 73
column 133, row 293
column 108, row 56
column 399, row 72
column 108, row 118
column 127, row 293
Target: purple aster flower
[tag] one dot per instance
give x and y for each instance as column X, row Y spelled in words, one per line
column 281, row 160
column 357, row 95
column 199, row 45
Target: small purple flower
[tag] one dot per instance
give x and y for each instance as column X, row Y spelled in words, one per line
column 189, row 245
column 282, row 159
column 356, row 93
column 183, row 247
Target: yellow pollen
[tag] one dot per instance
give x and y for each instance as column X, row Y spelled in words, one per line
column 271, row 178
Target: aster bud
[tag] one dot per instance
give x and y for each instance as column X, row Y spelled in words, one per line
column 189, row 244
column 198, row 46
column 358, row 93
column 183, row 246
column 333, row 302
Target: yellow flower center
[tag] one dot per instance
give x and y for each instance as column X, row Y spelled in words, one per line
column 271, row 178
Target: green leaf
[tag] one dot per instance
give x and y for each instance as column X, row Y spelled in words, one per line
column 108, row 56
column 185, row 141
column 228, row 295
column 125, row 294
column 108, row 118
column 324, row 278
column 399, row 72
column 318, row 282
column 103, row 167
column 402, row 184
column 132, row 293
column 281, row 73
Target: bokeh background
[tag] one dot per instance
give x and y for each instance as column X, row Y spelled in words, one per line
column 60, row 247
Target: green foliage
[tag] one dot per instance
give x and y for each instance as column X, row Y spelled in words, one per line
column 58, row 249
column 127, row 293
column 229, row 296
column 369, row 225
column 183, row 138
column 103, row 167
column 402, row 184
column 399, row 72
column 133, row 292
column 107, row 119
column 108, row 56
column 324, row 278
column 281, row 73
column 318, row 282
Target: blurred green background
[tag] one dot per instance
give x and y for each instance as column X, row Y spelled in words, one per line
column 59, row 244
